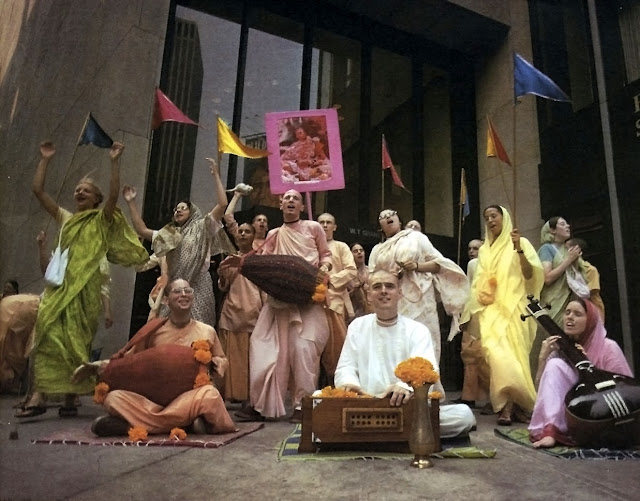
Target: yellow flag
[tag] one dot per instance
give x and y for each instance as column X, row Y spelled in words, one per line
column 228, row 142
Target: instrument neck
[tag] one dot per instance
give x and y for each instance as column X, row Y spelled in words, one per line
column 565, row 343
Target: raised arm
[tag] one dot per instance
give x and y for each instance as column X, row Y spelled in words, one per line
column 552, row 274
column 47, row 150
column 219, row 210
column 129, row 193
column 43, row 254
column 114, row 181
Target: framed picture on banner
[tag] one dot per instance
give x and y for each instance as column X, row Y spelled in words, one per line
column 305, row 151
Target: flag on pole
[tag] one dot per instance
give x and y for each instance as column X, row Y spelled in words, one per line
column 494, row 145
column 228, row 142
column 166, row 111
column 92, row 133
column 529, row 80
column 464, row 196
column 388, row 164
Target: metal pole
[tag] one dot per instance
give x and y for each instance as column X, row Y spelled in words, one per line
column 616, row 225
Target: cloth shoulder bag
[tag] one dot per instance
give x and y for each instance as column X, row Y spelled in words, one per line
column 54, row 275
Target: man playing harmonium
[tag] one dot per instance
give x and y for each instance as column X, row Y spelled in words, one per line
column 378, row 342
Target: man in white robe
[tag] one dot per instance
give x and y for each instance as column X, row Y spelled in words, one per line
column 378, row 342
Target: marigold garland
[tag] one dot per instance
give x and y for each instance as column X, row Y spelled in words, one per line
column 177, row 434
column 416, row 371
column 202, row 379
column 202, row 356
column 330, row 392
column 137, row 434
column 435, row 395
column 320, row 293
column 201, row 344
column 100, row 392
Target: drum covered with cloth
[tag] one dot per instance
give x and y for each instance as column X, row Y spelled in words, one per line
column 160, row 374
column 290, row 279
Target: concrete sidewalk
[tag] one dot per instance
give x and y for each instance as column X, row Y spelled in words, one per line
column 249, row 468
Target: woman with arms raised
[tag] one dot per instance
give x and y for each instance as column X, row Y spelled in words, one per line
column 68, row 314
column 188, row 241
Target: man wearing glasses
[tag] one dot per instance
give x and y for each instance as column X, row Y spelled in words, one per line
column 201, row 408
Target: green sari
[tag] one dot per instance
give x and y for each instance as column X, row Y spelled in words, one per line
column 68, row 315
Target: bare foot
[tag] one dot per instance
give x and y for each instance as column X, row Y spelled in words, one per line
column 544, row 442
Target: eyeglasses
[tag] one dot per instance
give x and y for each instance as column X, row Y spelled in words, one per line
column 179, row 290
column 386, row 214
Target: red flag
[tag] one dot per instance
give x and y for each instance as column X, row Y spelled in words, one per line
column 494, row 145
column 388, row 164
column 166, row 111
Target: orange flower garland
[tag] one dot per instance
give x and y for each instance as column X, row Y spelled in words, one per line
column 416, row 371
column 330, row 392
column 202, row 356
column 100, row 392
column 201, row 344
column 435, row 395
column 137, row 434
column 320, row 294
column 177, row 434
column 201, row 379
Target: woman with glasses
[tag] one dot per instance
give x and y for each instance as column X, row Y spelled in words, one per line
column 187, row 242
column 428, row 276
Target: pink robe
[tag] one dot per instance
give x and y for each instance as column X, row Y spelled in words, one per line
column 204, row 401
column 549, row 419
column 288, row 339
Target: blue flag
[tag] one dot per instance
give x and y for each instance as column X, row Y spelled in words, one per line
column 93, row 134
column 529, row 80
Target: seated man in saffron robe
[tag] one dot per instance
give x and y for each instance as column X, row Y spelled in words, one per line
column 202, row 407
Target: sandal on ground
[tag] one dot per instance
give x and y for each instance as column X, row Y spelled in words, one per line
column 32, row 411
column 504, row 420
column 248, row 414
column 68, row 411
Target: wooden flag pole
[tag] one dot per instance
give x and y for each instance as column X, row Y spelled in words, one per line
column 459, row 231
column 514, row 209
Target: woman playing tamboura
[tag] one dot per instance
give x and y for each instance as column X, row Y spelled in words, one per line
column 561, row 270
column 556, row 376
column 188, row 241
column 358, row 286
column 428, row 275
column 68, row 315
column 508, row 269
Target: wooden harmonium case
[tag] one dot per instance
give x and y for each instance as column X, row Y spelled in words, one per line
column 356, row 422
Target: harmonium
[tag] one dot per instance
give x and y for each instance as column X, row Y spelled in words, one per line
column 355, row 422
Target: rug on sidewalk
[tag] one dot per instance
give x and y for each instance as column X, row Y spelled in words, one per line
column 83, row 436
column 452, row 448
column 521, row 436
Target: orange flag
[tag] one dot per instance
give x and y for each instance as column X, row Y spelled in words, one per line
column 494, row 145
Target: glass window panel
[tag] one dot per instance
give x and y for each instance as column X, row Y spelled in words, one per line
column 438, row 216
column 335, row 82
column 218, row 94
column 272, row 83
column 391, row 112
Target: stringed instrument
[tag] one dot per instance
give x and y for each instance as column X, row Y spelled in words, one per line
column 603, row 408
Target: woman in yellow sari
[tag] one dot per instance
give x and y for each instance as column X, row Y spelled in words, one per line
column 508, row 269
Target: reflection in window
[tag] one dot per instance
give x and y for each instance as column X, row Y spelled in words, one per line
column 629, row 19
